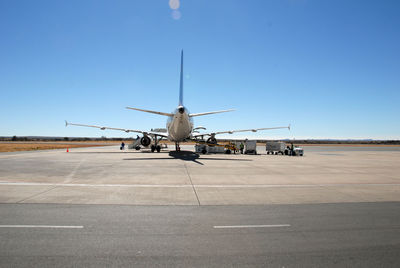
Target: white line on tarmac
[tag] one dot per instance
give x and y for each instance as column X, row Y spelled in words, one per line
column 251, row 226
column 43, row 226
column 195, row 185
column 95, row 185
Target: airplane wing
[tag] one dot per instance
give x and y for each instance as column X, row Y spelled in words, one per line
column 235, row 131
column 149, row 111
column 214, row 112
column 120, row 129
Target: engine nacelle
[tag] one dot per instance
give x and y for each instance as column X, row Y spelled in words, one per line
column 212, row 140
column 145, row 141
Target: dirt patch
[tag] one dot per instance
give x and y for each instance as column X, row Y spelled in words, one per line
column 14, row 147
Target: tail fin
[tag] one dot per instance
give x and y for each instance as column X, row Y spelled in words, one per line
column 181, row 83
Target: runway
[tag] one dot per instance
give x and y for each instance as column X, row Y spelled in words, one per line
column 312, row 235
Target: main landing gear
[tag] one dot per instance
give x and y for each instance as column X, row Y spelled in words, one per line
column 155, row 146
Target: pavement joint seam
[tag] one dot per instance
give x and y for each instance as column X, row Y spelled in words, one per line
column 32, row 196
column 191, row 182
column 68, row 179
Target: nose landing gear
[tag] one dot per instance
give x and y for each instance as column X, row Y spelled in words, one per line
column 177, row 147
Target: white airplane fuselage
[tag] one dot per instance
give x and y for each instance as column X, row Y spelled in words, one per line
column 180, row 125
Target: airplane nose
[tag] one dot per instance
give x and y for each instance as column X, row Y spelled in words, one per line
column 181, row 110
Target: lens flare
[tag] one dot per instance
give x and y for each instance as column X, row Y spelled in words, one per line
column 174, row 4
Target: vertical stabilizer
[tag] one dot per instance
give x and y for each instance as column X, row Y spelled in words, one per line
column 181, row 82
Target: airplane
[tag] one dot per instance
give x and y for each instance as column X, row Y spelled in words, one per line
column 179, row 125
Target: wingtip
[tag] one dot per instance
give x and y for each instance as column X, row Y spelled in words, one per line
column 66, row 123
column 289, row 127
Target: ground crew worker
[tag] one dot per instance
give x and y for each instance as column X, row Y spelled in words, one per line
column 241, row 147
column 122, row 146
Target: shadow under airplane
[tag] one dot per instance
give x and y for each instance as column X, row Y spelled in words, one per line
column 186, row 156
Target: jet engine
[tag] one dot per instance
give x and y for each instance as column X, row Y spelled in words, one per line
column 145, row 141
column 212, row 140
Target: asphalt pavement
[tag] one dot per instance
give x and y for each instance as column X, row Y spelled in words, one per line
column 305, row 235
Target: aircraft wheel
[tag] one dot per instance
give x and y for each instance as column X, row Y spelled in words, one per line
column 153, row 148
column 158, row 148
column 137, row 148
column 204, row 151
column 228, row 151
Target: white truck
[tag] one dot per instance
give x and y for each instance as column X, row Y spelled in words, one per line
column 275, row 147
column 297, row 151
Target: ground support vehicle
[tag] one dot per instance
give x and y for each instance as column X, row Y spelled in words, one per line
column 135, row 145
column 204, row 148
column 298, row 151
column 250, row 147
column 275, row 147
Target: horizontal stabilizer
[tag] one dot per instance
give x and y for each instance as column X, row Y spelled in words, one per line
column 214, row 112
column 148, row 111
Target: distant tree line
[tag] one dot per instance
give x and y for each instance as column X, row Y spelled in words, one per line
column 27, row 138
column 332, row 141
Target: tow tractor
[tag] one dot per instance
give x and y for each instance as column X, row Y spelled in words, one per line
column 279, row 147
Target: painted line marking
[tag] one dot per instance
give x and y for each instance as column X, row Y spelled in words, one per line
column 43, row 226
column 195, row 185
column 251, row 226
column 95, row 185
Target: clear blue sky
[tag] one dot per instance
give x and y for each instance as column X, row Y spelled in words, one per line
column 330, row 68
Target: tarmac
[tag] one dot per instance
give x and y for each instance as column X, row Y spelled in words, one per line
column 102, row 207
column 106, row 175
